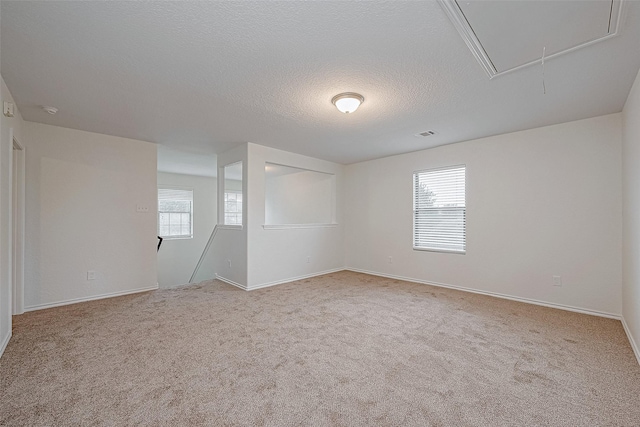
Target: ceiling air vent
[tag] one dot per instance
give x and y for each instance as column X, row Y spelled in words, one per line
column 426, row 133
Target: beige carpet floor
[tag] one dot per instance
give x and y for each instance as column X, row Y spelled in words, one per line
column 344, row 349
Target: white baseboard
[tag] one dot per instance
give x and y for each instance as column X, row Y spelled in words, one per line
column 4, row 344
column 91, row 298
column 631, row 340
column 493, row 294
column 231, row 282
column 293, row 279
column 277, row 282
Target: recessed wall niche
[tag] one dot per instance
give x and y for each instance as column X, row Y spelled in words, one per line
column 295, row 196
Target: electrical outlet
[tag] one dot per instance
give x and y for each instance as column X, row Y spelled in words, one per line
column 557, row 280
column 229, row 263
column 91, row 275
column 308, row 259
column 142, row 208
column 390, row 260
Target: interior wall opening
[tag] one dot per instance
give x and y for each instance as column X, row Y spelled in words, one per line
column 295, row 196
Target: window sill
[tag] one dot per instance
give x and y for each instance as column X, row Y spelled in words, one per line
column 444, row 251
column 229, row 227
column 176, row 238
column 294, row 226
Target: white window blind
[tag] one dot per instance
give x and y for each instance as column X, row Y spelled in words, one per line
column 175, row 213
column 439, row 209
column 233, row 207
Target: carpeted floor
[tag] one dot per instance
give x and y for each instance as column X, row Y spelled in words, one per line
column 345, row 349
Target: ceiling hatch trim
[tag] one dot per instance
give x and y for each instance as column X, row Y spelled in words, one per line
column 462, row 25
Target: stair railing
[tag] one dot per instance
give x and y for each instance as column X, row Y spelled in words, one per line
column 204, row 253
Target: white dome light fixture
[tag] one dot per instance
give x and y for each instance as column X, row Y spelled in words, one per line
column 347, row 102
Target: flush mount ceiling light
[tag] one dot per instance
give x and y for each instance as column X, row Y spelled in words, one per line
column 347, row 102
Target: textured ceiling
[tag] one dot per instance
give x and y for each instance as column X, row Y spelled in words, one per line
column 206, row 76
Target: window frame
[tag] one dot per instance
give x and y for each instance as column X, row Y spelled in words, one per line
column 191, row 213
column 416, row 174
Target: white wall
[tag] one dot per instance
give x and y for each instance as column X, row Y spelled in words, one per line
column 280, row 255
column 300, row 197
column 177, row 258
column 233, row 185
column 10, row 127
column 541, row 202
column 631, row 214
column 82, row 192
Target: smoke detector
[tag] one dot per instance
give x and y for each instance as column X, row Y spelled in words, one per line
column 50, row 110
column 426, row 133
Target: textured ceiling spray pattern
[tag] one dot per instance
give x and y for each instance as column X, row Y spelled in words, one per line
column 205, row 76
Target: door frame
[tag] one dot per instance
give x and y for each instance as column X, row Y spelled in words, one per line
column 17, row 219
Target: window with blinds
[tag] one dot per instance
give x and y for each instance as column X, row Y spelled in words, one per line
column 175, row 213
column 233, row 207
column 439, row 210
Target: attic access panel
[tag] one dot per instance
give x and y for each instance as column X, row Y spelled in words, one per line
column 507, row 35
